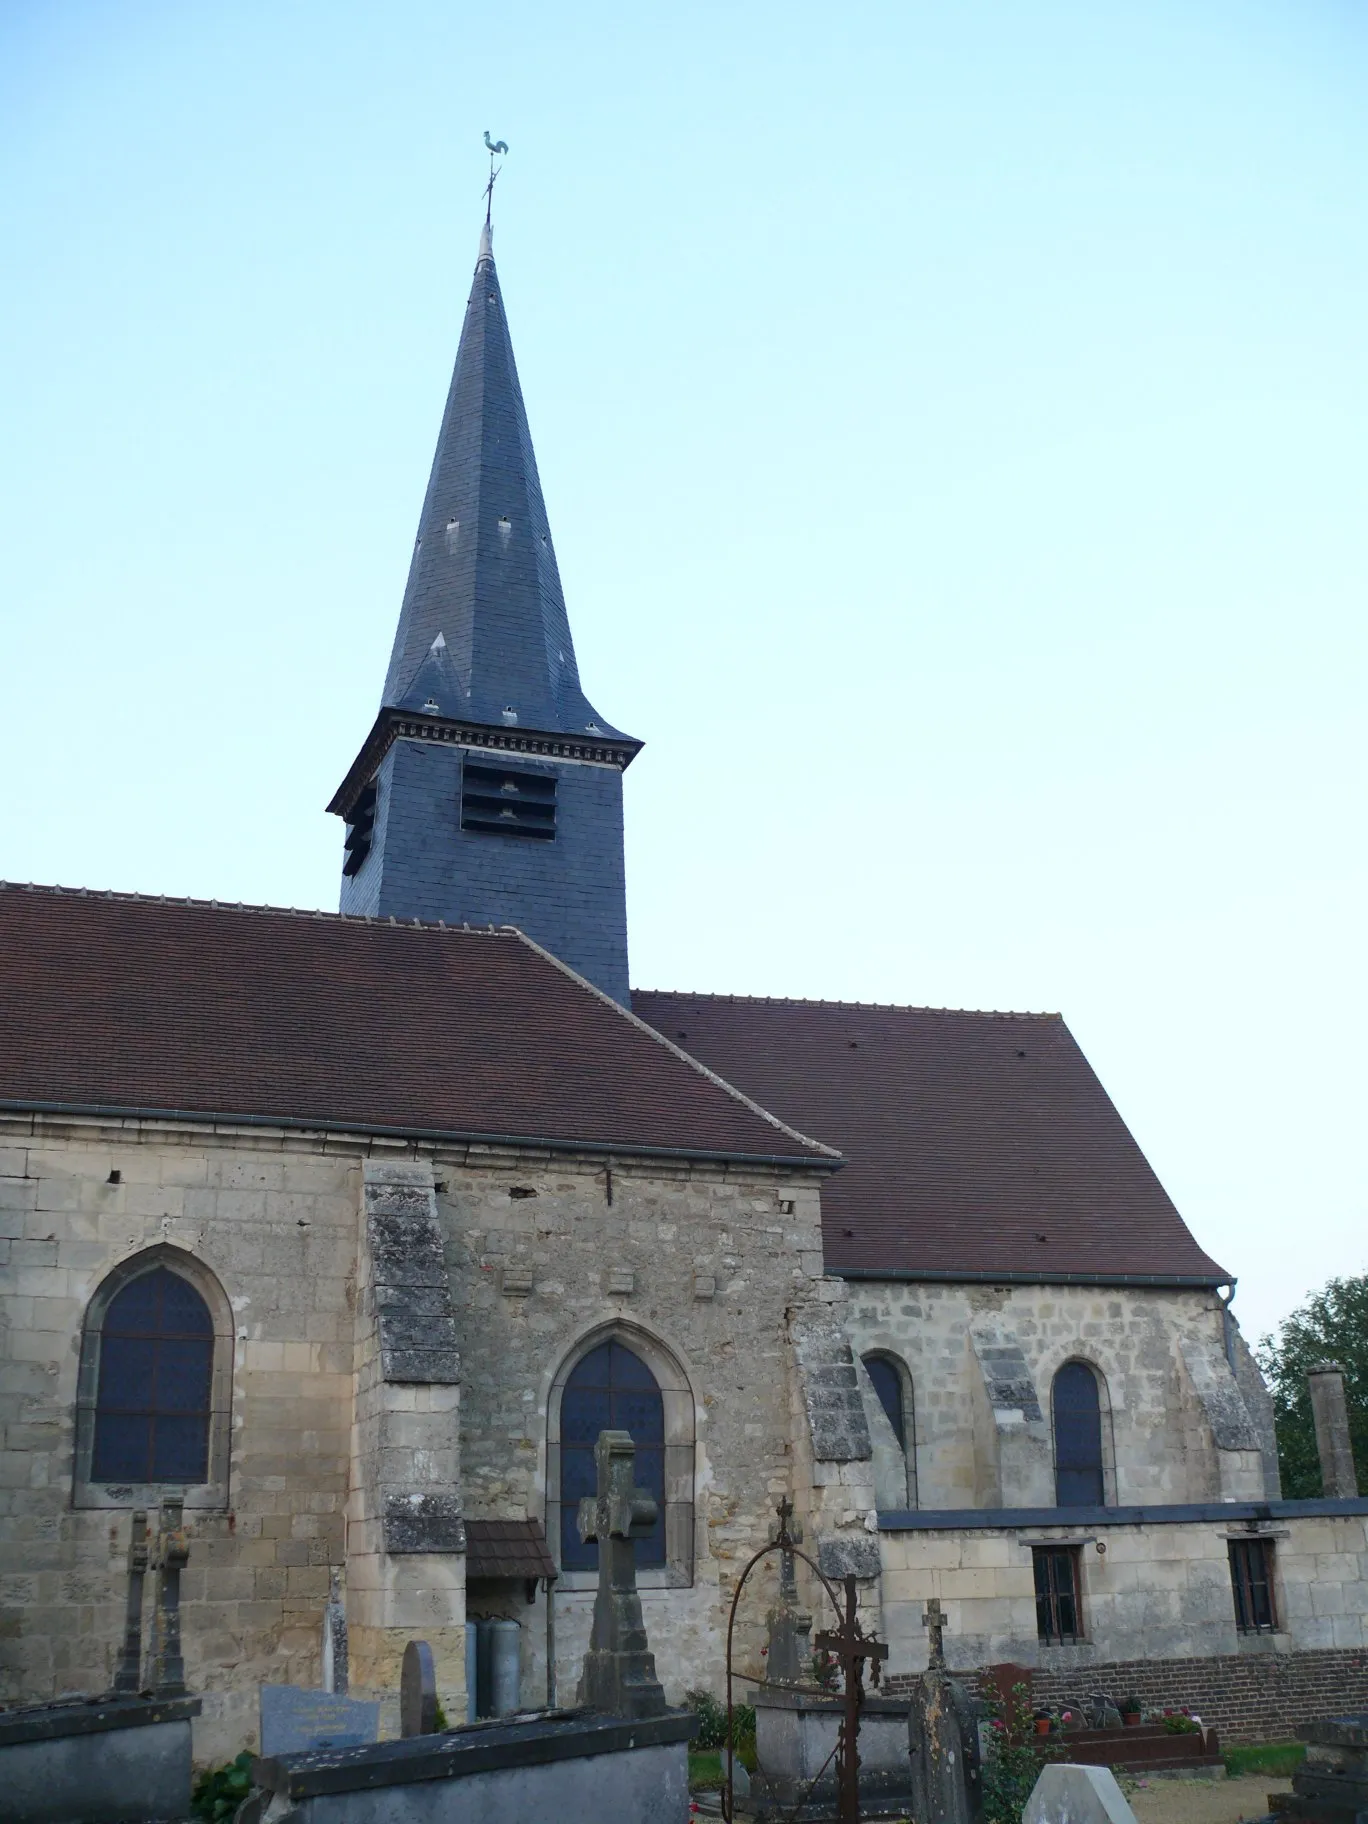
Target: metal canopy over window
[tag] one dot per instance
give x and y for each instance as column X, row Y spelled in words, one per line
column 610, row 1390
column 153, row 1406
column 1251, row 1576
column 1078, row 1438
column 1059, row 1612
column 508, row 800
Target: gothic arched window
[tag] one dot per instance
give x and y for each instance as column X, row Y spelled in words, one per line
column 893, row 1384
column 155, row 1383
column 610, row 1389
column 1079, row 1478
column 888, row 1385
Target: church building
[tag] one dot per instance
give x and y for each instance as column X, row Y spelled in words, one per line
column 355, row 1229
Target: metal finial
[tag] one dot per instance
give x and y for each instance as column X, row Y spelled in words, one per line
column 496, row 149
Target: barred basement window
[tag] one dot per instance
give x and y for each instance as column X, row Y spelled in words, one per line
column 1059, row 1607
column 508, row 800
column 1251, row 1577
column 360, row 826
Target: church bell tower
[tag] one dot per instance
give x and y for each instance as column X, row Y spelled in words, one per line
column 489, row 790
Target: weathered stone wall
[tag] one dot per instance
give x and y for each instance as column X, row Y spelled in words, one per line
column 275, row 1220
column 981, row 1445
column 1160, row 1591
column 693, row 1263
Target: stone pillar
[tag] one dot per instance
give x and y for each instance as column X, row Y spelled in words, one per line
column 1330, row 1410
column 405, row 1534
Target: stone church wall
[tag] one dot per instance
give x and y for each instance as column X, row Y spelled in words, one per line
column 275, row 1221
column 699, row 1270
column 1158, row 1439
column 1160, row 1592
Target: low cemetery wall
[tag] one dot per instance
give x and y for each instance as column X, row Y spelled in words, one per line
column 1250, row 1697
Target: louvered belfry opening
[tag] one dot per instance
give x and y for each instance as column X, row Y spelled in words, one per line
column 508, row 800
column 156, row 1375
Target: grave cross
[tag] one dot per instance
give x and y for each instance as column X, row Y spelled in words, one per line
column 935, row 1624
column 128, row 1677
column 619, row 1668
column 173, row 1554
column 850, row 1647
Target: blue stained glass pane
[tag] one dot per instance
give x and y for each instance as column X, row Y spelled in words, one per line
column 643, row 1414
column 183, row 1376
column 575, row 1554
column 585, row 1412
column 135, row 1308
column 180, row 1451
column 628, row 1370
column 888, row 1385
column 126, row 1365
column 122, row 1449
column 579, row 1473
column 1078, row 1438
column 592, row 1370
column 184, row 1312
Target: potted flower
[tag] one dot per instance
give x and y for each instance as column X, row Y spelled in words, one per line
column 1131, row 1711
column 1042, row 1722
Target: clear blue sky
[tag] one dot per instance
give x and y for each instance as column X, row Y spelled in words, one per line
column 954, row 425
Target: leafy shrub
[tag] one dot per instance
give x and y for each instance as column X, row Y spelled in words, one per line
column 219, row 1791
column 1012, row 1765
column 712, row 1725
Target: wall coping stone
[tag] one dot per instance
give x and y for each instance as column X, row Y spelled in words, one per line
column 992, row 1519
column 558, row 1735
column 91, row 1716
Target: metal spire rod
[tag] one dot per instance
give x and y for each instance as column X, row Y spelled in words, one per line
column 496, row 149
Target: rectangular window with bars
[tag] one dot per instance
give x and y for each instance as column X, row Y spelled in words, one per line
column 1251, row 1577
column 1059, row 1607
column 508, row 800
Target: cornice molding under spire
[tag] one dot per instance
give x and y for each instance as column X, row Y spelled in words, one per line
column 393, row 725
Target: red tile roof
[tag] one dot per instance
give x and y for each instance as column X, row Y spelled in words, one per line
column 173, row 1006
column 508, row 1548
column 976, row 1143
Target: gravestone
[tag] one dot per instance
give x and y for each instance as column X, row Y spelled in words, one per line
column 789, row 1630
column 943, row 1738
column 335, row 1671
column 1331, row 1785
column 128, row 1677
column 1067, row 1794
column 294, row 1720
column 619, row 1675
column 418, row 1691
column 166, row 1672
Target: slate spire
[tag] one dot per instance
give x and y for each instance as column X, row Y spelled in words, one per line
column 483, row 632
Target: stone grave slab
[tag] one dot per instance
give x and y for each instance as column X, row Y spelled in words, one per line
column 1070, row 1794
column 296, row 1720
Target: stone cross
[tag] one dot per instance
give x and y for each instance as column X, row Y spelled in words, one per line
column 935, row 1624
column 787, row 1650
column 418, row 1691
column 335, row 1670
column 173, row 1553
column 128, row 1677
column 619, row 1674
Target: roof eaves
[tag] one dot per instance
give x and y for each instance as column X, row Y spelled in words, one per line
column 818, row 1146
column 436, row 1136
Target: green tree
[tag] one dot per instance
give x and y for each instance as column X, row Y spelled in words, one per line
column 1331, row 1326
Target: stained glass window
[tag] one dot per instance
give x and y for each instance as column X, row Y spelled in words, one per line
column 888, row 1385
column 156, row 1370
column 611, row 1389
column 1078, row 1438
